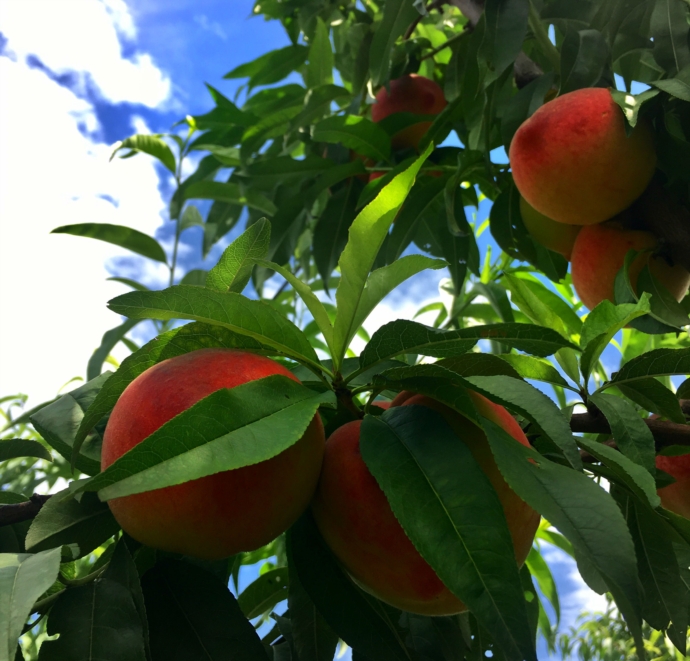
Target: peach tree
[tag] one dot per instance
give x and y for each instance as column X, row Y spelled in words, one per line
column 332, row 206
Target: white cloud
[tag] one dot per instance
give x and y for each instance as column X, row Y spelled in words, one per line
column 210, row 26
column 80, row 37
column 53, row 288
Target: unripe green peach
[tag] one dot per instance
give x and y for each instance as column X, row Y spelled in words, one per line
column 550, row 234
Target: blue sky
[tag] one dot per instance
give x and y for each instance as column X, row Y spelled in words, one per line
column 89, row 73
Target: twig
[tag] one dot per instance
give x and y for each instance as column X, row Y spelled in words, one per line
column 18, row 512
column 436, row 4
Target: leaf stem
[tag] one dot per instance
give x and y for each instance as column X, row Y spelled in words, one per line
column 542, row 38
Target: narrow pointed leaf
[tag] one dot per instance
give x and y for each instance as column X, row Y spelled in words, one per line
column 124, row 237
column 357, row 133
column 397, row 16
column 529, row 367
column 151, row 145
column 659, row 362
column 264, row 593
column 256, row 319
column 228, row 429
column 108, row 342
column 443, row 500
column 229, row 192
column 21, row 447
column 320, row 67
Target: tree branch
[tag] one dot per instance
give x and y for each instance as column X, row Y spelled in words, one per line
column 18, row 512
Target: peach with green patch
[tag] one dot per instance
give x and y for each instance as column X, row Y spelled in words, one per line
column 222, row 514
column 558, row 237
column 356, row 521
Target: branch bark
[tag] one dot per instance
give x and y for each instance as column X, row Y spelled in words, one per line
column 18, row 512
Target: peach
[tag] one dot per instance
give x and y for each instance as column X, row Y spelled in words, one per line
column 572, row 161
column 599, row 253
column 550, row 234
column 411, row 93
column 222, row 514
column 676, row 496
column 356, row 521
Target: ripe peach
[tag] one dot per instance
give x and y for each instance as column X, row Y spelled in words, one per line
column 215, row 516
column 572, row 161
column 599, row 253
column 411, row 93
column 358, row 524
column 676, row 496
column 555, row 236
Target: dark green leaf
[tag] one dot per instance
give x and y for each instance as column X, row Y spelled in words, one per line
column 22, row 447
column 63, row 521
column 669, row 30
column 404, row 336
column 584, row 56
column 540, row 571
column 397, row 16
column 632, row 435
column 23, row 579
column 257, row 319
column 320, row 67
column 234, row 268
column 506, row 27
column 218, row 433
column 264, row 593
column 229, row 192
column 151, row 145
column 655, row 397
column 664, row 305
column 193, row 616
column 284, row 169
column 435, row 488
column 312, row 638
column 678, row 86
column 579, row 508
column 355, row 617
column 478, row 364
column 357, row 133
column 529, row 367
column 272, row 66
column 525, row 399
column 108, row 342
column 125, row 237
column 58, row 424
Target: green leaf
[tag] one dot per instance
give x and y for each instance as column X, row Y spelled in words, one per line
column 529, row 367
column 442, row 498
column 669, row 30
column 525, row 399
column 360, row 620
column 320, row 67
column 653, row 396
column 151, row 145
column 108, row 342
column 264, row 593
column 602, row 324
column 627, row 472
column 125, row 237
column 678, row 86
column 584, row 56
column 314, row 305
column 234, row 269
column 58, row 424
column 563, row 309
column 229, row 192
column 478, row 364
column 317, row 103
column 192, row 615
column 540, row 571
column 579, row 508
column 664, row 305
column 330, row 234
column 191, row 217
column 229, row 429
column 357, row 133
column 23, row 579
column 665, row 595
column 384, row 280
column 533, row 305
column 313, row 639
column 631, row 104
column 167, row 345
column 122, row 569
column 63, row 521
column 95, row 621
column 272, row 66
column 284, row 169
column 506, row 27
column 367, row 234
column 22, row 447
column 633, row 437
column 659, row 362
column 397, row 16
column 404, row 336
column 256, row 319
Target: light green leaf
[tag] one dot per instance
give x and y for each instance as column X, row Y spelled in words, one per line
column 529, row 367
column 234, row 268
column 357, row 133
column 23, row 579
column 397, row 16
column 264, row 593
column 320, row 67
column 229, row 192
column 367, row 233
column 151, row 145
